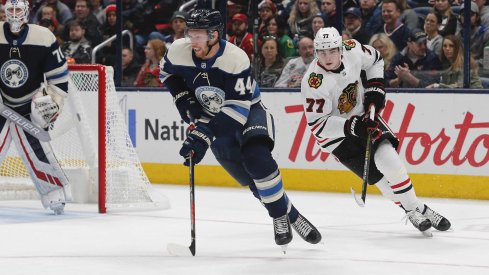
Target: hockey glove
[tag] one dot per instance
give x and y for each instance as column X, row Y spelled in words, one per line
column 361, row 126
column 375, row 96
column 187, row 106
column 198, row 141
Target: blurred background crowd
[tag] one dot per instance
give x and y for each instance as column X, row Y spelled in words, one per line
column 421, row 41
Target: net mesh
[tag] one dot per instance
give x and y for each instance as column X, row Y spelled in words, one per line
column 75, row 145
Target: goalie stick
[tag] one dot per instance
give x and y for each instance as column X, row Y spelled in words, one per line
column 366, row 164
column 177, row 249
column 23, row 122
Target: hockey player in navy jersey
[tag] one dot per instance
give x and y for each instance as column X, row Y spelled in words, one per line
column 210, row 80
column 335, row 102
column 29, row 54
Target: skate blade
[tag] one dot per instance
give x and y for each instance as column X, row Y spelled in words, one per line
column 427, row 233
column 284, row 248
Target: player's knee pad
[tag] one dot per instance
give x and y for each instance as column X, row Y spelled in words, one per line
column 228, row 154
column 258, row 159
column 388, row 161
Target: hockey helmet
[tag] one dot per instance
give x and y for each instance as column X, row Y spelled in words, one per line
column 327, row 38
column 17, row 13
column 206, row 19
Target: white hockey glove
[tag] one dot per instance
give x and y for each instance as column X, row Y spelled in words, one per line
column 46, row 105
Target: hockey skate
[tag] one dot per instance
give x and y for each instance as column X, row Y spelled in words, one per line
column 54, row 200
column 419, row 221
column 439, row 222
column 306, row 230
column 283, row 233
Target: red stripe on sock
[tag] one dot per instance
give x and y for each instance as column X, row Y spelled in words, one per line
column 401, row 184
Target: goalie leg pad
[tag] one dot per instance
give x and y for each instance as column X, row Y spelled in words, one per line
column 5, row 138
column 43, row 168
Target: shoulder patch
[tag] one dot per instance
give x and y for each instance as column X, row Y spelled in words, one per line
column 349, row 44
column 315, row 80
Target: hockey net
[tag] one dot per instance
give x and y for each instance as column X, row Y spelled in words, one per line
column 92, row 144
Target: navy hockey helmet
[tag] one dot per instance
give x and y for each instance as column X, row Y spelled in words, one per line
column 206, row 19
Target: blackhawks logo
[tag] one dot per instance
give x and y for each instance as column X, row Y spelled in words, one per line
column 315, row 80
column 348, row 98
column 349, row 44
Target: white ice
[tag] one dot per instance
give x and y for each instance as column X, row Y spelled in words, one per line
column 235, row 236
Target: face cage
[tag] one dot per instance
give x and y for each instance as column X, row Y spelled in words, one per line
column 16, row 22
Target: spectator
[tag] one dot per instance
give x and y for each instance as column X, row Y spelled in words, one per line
column 449, row 20
column 83, row 14
column 77, row 49
column 242, row 38
column 452, row 58
column 270, row 63
column 301, row 15
column 98, row 10
column 408, row 16
column 393, row 27
column 107, row 55
column 130, row 68
column 318, row 21
column 415, row 66
column 434, row 39
column 371, row 15
column 353, row 26
column 275, row 26
column 178, row 24
column 266, row 10
column 382, row 43
column 63, row 12
column 328, row 8
column 149, row 73
column 3, row 17
column 479, row 34
column 483, row 11
column 293, row 72
column 48, row 23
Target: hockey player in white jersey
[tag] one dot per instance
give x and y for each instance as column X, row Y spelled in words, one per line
column 335, row 103
column 210, row 80
column 29, row 54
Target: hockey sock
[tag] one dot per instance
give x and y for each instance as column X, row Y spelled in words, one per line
column 389, row 163
column 261, row 166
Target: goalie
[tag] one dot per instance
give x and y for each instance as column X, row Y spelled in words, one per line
column 29, row 54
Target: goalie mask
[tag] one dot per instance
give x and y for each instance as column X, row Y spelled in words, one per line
column 17, row 12
column 328, row 46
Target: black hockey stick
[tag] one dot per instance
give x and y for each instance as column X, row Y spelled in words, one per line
column 366, row 164
column 23, row 122
column 180, row 250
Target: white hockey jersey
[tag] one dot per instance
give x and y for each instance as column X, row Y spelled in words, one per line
column 331, row 97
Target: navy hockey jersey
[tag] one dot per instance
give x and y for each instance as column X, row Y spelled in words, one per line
column 223, row 85
column 25, row 59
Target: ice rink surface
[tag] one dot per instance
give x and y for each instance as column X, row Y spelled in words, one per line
column 235, row 236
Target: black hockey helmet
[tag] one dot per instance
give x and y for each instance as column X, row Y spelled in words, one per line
column 206, row 19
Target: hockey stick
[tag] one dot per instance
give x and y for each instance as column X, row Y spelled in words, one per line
column 26, row 124
column 180, row 250
column 366, row 164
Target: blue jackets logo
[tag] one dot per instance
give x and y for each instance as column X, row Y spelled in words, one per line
column 211, row 98
column 14, row 73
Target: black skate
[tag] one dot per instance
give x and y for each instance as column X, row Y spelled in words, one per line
column 306, row 230
column 419, row 221
column 283, row 233
column 437, row 221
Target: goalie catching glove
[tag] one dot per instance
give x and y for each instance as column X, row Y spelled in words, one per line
column 46, row 105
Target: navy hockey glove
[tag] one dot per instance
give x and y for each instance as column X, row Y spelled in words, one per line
column 198, row 141
column 187, row 105
column 360, row 127
column 374, row 94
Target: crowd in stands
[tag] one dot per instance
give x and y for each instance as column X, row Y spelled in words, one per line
column 421, row 41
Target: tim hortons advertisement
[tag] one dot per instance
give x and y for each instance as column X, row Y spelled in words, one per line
column 438, row 133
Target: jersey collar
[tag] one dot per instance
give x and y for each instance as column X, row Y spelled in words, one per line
column 12, row 39
column 207, row 64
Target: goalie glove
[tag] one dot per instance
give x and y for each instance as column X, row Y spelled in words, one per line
column 46, row 105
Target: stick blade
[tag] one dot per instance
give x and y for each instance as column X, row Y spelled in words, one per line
column 178, row 250
column 359, row 201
